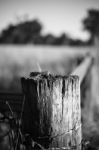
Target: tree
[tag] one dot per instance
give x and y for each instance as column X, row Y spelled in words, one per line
column 49, row 39
column 63, row 39
column 24, row 32
column 91, row 23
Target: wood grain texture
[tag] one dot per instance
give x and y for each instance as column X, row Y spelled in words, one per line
column 52, row 113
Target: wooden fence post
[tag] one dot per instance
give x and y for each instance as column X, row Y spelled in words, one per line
column 52, row 113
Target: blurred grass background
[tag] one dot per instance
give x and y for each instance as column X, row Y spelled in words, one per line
column 19, row 61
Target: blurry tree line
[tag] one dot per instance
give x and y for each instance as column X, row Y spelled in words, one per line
column 29, row 31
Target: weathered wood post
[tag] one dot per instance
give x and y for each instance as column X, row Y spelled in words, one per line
column 52, row 113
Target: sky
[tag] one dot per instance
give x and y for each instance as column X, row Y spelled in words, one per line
column 56, row 16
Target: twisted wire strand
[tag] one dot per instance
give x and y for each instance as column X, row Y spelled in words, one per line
column 64, row 133
column 52, row 137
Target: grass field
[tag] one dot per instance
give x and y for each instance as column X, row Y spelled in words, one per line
column 18, row 61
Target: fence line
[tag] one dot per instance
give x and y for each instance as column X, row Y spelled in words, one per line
column 83, row 68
